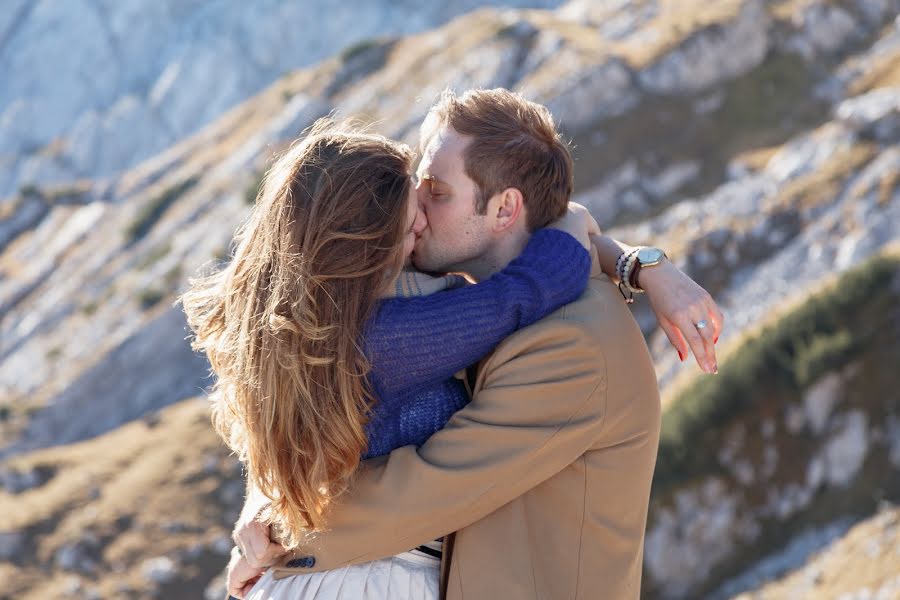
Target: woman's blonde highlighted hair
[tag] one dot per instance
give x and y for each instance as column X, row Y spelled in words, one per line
column 282, row 322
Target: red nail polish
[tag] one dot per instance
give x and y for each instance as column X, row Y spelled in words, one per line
column 680, row 356
column 716, row 341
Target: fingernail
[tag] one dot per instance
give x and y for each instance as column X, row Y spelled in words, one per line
column 715, row 369
column 680, row 356
column 716, row 341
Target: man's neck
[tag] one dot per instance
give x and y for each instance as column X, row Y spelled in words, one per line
column 501, row 253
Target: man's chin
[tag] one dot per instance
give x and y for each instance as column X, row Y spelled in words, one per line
column 421, row 263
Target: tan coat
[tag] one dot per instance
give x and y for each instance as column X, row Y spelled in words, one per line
column 545, row 475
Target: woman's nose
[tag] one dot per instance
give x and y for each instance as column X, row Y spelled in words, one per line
column 421, row 221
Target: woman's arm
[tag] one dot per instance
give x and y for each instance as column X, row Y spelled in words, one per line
column 678, row 301
column 608, row 251
column 412, row 342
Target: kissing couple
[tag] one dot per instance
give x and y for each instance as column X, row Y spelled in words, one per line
column 430, row 371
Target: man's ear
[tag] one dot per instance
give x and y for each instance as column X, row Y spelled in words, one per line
column 506, row 208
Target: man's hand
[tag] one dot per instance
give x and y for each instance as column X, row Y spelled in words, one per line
column 680, row 303
column 252, row 538
column 241, row 576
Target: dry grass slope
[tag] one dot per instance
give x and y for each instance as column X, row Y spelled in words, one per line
column 161, row 486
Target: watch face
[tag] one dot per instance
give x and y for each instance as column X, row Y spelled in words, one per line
column 650, row 255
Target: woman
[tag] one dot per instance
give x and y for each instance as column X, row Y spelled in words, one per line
column 317, row 369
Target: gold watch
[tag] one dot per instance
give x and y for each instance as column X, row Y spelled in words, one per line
column 648, row 256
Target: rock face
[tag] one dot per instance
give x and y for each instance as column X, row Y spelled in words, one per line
column 91, row 88
column 159, row 570
column 713, row 56
column 125, row 374
column 857, row 562
column 745, row 137
column 795, row 466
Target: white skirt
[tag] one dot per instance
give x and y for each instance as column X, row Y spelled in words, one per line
column 407, row 576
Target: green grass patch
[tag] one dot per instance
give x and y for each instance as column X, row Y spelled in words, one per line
column 154, row 255
column 31, row 190
column 251, row 192
column 173, row 276
column 150, row 297
column 784, row 358
column 771, row 100
column 359, row 48
column 156, row 208
column 762, row 108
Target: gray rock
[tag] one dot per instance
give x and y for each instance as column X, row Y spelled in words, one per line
column 823, row 29
column 820, row 399
column 604, row 199
column 807, row 152
column 712, row 55
column 815, row 473
column 601, row 92
column 76, row 556
column 216, row 589
column 16, row 482
column 12, row 545
column 231, row 492
column 27, row 213
column 846, row 450
column 671, row 178
column 222, row 545
column 892, row 431
column 794, row 418
column 876, row 114
column 794, row 555
column 705, row 521
column 869, row 107
column 118, row 389
column 160, row 570
column 118, row 81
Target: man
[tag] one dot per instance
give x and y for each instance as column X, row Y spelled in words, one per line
column 545, row 476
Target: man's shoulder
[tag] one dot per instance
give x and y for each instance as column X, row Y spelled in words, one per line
column 599, row 308
column 599, row 319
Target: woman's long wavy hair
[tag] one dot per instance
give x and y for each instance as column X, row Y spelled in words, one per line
column 282, row 323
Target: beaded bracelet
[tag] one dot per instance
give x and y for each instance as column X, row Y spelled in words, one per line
column 626, row 283
column 623, row 270
column 622, row 260
column 626, row 274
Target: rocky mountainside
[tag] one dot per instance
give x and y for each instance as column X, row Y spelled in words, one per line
column 796, row 439
column 860, row 564
column 758, row 142
column 92, row 87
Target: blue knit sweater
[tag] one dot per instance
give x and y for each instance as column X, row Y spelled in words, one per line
column 416, row 345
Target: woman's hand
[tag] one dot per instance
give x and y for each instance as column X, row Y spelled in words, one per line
column 578, row 223
column 252, row 538
column 241, row 576
column 680, row 303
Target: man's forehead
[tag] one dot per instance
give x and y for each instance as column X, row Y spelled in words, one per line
column 443, row 153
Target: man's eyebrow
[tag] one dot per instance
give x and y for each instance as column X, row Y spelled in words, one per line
column 432, row 178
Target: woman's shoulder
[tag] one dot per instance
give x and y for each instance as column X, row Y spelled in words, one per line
column 412, row 283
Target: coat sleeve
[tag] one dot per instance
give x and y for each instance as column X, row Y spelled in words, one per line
column 540, row 407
